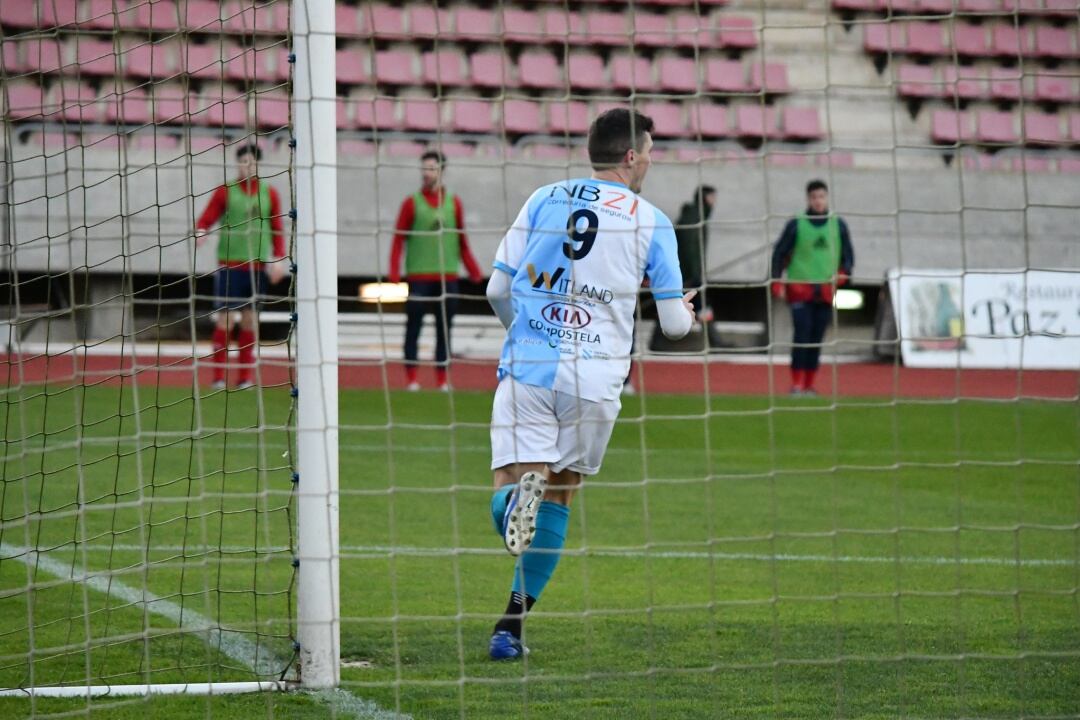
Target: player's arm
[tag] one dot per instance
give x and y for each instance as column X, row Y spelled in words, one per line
column 406, row 215
column 673, row 308
column 782, row 250
column 507, row 260
column 277, row 267
column 210, row 216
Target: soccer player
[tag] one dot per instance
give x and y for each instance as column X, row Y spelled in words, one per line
column 251, row 241
column 815, row 248
column 565, row 285
column 430, row 231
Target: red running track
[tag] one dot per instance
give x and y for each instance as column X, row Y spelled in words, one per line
column 686, row 377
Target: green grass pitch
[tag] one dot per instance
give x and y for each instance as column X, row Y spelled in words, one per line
column 736, row 557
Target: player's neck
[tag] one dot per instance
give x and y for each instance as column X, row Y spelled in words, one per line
column 616, row 175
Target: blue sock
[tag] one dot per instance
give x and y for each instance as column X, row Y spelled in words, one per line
column 498, row 506
column 534, row 569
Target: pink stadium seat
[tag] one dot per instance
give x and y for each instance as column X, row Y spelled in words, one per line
column 632, row 73
column 44, row 55
column 402, row 149
column 772, row 77
column 1005, row 40
column 201, row 61
column 995, row 127
column 202, row 15
column 561, row 27
column 678, row 74
column 476, row 24
column 382, row 21
column 347, row 20
column 244, row 17
column 161, row 15
column 271, row 110
column 471, row 116
column 933, row 7
column 352, row 66
column 736, row 32
column 374, row 114
column 1005, row 83
column 344, row 114
column 24, row 100
column 857, row 5
column 568, row 118
column 522, row 117
column 245, row 64
column 708, row 120
column 1074, row 127
column 1069, row 165
column 725, row 76
column 979, row 6
column 667, row 116
column 58, row 13
column 151, row 60
column 755, row 121
column 692, row 30
column 917, row 81
column 970, row 40
column 924, row 38
column 95, row 57
column 421, row 114
column 170, row 107
column 607, row 28
column 651, row 30
column 456, row 149
column 130, row 108
column 522, row 26
column 395, row 67
column 538, row 69
column 1056, row 88
column 444, row 67
column 586, row 72
column 1055, row 42
column 950, row 127
column 18, row 16
column 425, row 23
column 107, row 15
column 228, row 111
column 884, row 38
column 357, row 148
column 1042, row 128
column 962, row 82
column 802, row 124
column 1061, row 8
column 491, row 69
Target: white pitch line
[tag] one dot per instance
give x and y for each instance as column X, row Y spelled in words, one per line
column 382, row 551
column 231, row 643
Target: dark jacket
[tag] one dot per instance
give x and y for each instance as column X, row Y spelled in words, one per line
column 692, row 233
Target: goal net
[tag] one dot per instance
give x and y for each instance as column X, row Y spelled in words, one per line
column 900, row 536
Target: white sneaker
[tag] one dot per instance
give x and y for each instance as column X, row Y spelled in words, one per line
column 413, row 386
column 445, row 387
column 519, row 520
column 245, row 385
column 217, row 385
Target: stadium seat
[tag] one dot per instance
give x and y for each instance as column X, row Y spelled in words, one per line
column 559, row 26
column 201, row 15
column 106, row 15
column 667, row 118
column 58, row 13
column 471, row 116
column 421, row 114
column 244, row 17
column 1058, row 43
column 347, row 20
column 965, row 83
column 725, row 76
column 979, row 7
column 539, row 69
column 568, row 118
column 857, row 5
column 586, row 71
column 382, row 21
column 1042, row 128
column 357, row 148
column 607, row 28
column 736, row 32
column 995, row 127
column 129, row 108
column 77, row 102
column 456, row 149
column 13, row 64
column 352, row 66
column 632, row 73
column 1061, row 8
column 18, row 16
column 151, row 60
column 884, row 38
column 1005, row 40
column 755, row 121
column 692, row 30
column 801, row 123
column 201, row 61
column 522, row 117
column 394, row 67
column 39, row 55
column 170, row 106
column 950, row 127
column 374, row 114
column 933, row 7
column 271, row 110
column 521, row 26
column 246, row 65
column 969, row 40
column 1074, row 127
column 773, row 77
column 443, row 67
column 924, row 38
column 402, row 149
column 651, row 30
column 228, row 111
column 344, row 114
column 24, row 100
column 1005, row 83
column 917, row 81
column 476, row 25
column 708, row 120
column 679, row 74
column 491, row 69
column 425, row 23
column 95, row 57
column 1055, row 88
column 160, row 15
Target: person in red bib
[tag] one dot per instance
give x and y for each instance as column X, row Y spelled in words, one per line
column 251, row 241
column 430, row 232
column 815, row 250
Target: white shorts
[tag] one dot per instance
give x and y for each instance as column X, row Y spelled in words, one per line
column 532, row 424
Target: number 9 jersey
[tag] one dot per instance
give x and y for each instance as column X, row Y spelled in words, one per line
column 577, row 254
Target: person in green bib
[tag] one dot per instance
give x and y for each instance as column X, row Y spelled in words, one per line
column 815, row 250
column 430, row 232
column 251, row 241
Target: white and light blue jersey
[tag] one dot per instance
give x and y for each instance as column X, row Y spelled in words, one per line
column 577, row 254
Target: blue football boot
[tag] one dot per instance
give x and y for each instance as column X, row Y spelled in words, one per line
column 504, row 646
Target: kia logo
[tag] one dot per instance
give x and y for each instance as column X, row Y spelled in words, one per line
column 566, row 315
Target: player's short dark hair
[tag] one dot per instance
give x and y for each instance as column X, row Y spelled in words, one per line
column 434, row 155
column 249, row 149
column 816, row 184
column 615, row 132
